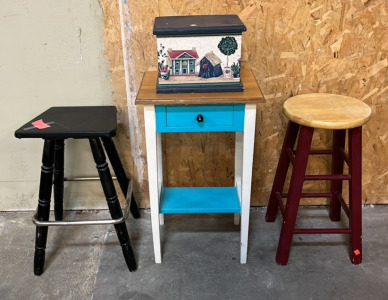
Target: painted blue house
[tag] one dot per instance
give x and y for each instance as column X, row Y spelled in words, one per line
column 210, row 66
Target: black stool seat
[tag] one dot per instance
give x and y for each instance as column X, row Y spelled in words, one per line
column 73, row 122
column 95, row 123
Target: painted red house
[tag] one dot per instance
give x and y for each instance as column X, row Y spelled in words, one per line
column 182, row 62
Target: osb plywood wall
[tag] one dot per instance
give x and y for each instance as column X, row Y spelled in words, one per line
column 293, row 47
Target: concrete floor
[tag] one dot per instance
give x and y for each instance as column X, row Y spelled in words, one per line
column 200, row 260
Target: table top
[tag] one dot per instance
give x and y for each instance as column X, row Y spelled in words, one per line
column 251, row 94
column 72, row 122
column 327, row 111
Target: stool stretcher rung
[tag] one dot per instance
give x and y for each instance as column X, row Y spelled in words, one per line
column 328, row 177
column 280, row 203
column 322, row 231
column 291, row 155
column 312, row 195
column 90, row 222
column 322, row 151
column 84, row 178
column 314, row 152
column 343, row 203
column 345, row 156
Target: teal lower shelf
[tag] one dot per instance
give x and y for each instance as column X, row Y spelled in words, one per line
column 199, row 200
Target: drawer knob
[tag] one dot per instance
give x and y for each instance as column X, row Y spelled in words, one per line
column 200, row 118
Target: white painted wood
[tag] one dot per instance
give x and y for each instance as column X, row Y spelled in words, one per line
column 160, row 170
column 243, row 174
column 247, row 164
column 135, row 134
column 238, row 162
column 238, row 216
column 161, row 219
column 153, row 163
column 161, row 216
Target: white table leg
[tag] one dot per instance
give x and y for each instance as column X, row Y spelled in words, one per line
column 160, row 169
column 247, row 164
column 238, row 163
column 152, row 162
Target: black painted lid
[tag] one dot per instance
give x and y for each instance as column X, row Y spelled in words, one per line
column 187, row 25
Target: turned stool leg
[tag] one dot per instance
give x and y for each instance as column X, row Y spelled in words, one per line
column 294, row 194
column 281, row 171
column 337, row 168
column 120, row 173
column 355, row 190
column 113, row 202
column 58, row 178
column 46, row 180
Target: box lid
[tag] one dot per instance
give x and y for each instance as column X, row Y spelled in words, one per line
column 206, row 24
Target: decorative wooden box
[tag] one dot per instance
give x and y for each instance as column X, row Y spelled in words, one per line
column 199, row 53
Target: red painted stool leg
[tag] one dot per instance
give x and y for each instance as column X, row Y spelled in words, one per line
column 281, row 171
column 355, row 204
column 294, row 193
column 337, row 168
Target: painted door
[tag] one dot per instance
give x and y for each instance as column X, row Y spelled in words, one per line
column 185, row 65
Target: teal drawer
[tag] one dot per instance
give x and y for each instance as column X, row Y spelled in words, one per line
column 199, row 118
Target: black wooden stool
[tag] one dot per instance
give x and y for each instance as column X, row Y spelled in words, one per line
column 339, row 114
column 95, row 123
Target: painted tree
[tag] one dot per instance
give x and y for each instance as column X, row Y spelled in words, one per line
column 161, row 56
column 228, row 45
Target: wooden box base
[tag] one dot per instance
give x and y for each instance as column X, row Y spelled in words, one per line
column 204, row 88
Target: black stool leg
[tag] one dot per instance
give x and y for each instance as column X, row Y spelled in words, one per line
column 58, row 179
column 120, row 173
column 113, row 202
column 46, row 180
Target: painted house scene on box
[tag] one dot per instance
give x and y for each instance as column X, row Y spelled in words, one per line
column 199, row 59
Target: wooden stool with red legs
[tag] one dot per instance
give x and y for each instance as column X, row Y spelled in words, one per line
column 342, row 115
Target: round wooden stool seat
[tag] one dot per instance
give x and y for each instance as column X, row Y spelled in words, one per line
column 327, row 111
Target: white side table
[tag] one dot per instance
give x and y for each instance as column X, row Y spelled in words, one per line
column 200, row 112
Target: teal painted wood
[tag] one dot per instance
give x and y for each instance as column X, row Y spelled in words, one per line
column 184, row 118
column 199, row 200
